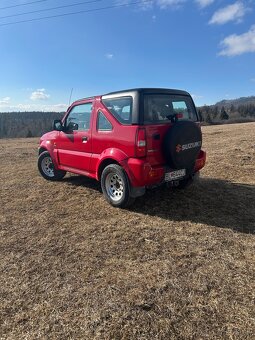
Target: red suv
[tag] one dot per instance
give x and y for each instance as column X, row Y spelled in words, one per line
column 129, row 140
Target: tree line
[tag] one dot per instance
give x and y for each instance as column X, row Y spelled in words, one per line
column 35, row 124
column 231, row 113
column 26, row 124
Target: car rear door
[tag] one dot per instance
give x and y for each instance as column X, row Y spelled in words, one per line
column 158, row 110
column 75, row 146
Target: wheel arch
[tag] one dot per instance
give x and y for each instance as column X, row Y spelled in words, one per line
column 103, row 164
column 48, row 146
column 107, row 157
column 41, row 150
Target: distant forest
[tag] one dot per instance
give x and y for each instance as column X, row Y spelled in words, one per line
column 217, row 114
column 26, row 124
column 34, row 124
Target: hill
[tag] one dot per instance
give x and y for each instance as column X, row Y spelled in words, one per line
column 229, row 111
column 236, row 102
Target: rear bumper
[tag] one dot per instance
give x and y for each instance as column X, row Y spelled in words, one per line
column 141, row 173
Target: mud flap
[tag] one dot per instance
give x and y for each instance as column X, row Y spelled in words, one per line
column 137, row 191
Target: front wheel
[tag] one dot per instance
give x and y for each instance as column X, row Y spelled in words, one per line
column 115, row 186
column 47, row 169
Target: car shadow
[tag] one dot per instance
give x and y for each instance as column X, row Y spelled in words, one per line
column 213, row 202
column 84, row 181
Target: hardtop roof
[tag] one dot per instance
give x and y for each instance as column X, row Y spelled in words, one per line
column 142, row 90
column 149, row 90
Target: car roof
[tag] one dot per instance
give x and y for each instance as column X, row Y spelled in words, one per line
column 149, row 90
column 136, row 90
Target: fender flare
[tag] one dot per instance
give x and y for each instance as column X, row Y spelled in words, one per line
column 47, row 145
column 109, row 154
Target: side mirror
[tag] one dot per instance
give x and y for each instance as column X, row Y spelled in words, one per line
column 57, row 125
column 72, row 126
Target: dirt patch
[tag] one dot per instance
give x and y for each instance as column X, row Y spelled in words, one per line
column 178, row 265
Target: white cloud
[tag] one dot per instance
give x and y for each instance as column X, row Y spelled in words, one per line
column 204, row 3
column 55, row 107
column 253, row 80
column 143, row 5
column 195, row 96
column 27, row 89
column 39, row 94
column 109, row 55
column 146, row 5
column 169, row 3
column 60, row 107
column 34, row 107
column 234, row 12
column 162, row 4
column 122, row 2
column 5, row 101
column 238, row 44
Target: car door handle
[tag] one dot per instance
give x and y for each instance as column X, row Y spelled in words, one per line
column 84, row 139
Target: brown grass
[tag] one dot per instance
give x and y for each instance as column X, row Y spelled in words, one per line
column 178, row 265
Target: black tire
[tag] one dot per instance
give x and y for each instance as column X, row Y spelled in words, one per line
column 115, row 186
column 47, row 169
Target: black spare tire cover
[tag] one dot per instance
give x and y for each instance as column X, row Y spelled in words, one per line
column 182, row 144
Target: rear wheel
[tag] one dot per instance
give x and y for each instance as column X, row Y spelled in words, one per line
column 115, row 186
column 47, row 169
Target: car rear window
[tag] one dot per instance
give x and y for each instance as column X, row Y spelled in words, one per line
column 159, row 108
column 121, row 108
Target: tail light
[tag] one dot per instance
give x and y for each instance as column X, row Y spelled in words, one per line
column 141, row 148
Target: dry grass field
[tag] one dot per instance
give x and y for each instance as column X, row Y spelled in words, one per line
column 177, row 265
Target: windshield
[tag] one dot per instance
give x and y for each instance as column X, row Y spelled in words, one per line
column 159, row 108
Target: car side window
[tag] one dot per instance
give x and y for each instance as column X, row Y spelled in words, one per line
column 120, row 108
column 103, row 123
column 81, row 115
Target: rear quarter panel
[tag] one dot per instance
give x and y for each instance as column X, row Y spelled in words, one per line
column 154, row 137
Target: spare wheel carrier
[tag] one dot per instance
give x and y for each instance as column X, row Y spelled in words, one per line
column 182, row 144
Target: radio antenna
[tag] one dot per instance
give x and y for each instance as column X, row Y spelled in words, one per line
column 70, row 96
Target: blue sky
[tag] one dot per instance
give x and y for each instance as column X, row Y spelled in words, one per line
column 206, row 47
